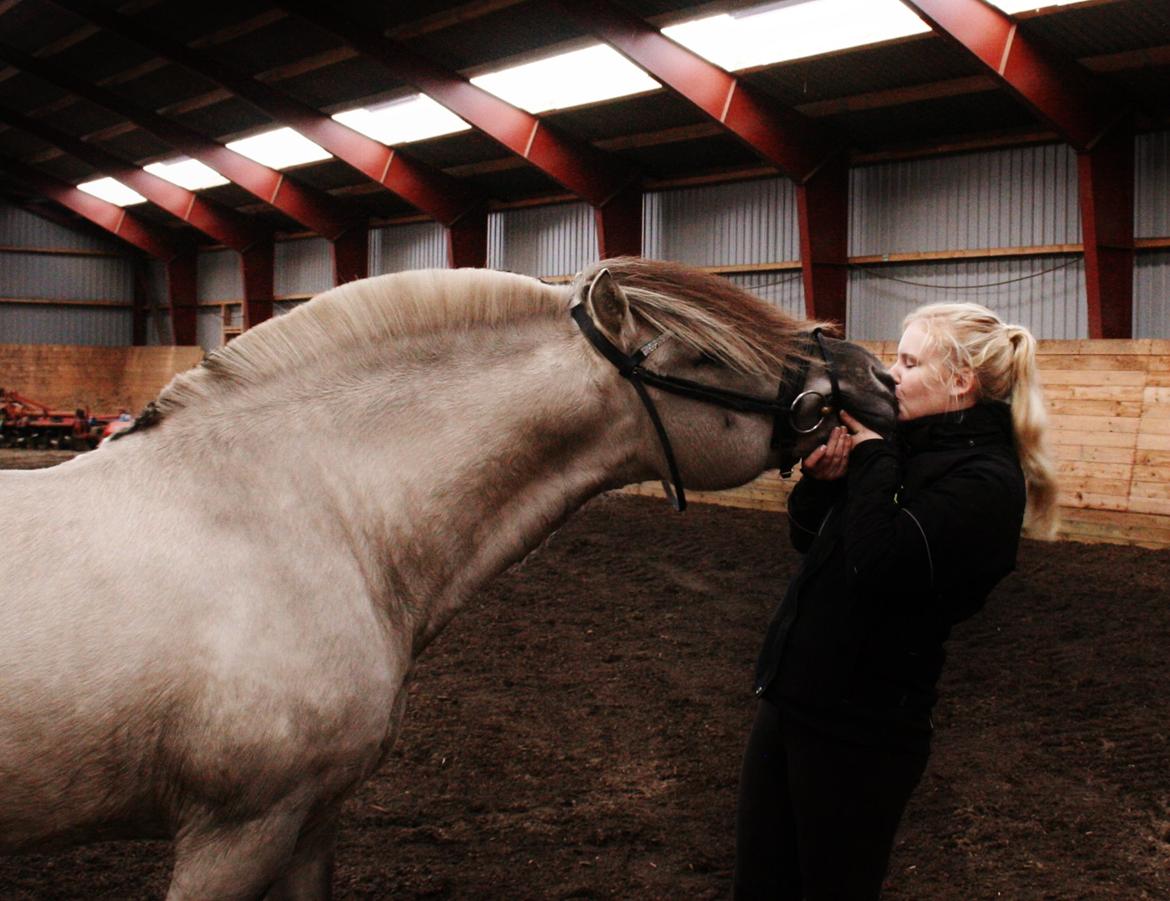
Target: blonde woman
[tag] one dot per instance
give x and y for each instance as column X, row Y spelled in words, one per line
column 901, row 540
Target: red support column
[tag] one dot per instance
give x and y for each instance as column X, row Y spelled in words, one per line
column 467, row 240
column 1106, row 176
column 619, row 223
column 257, row 263
column 351, row 255
column 181, row 271
column 822, row 205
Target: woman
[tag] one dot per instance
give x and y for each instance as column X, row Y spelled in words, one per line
column 900, row 542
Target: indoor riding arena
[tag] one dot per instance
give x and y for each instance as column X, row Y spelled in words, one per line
column 176, row 179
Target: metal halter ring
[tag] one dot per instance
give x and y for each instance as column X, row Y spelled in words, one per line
column 825, row 410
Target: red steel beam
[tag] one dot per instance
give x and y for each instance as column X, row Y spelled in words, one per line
column 445, row 198
column 316, row 210
column 254, row 244
column 597, row 177
column 215, row 220
column 803, row 150
column 822, row 206
column 1095, row 120
column 1056, row 89
column 795, row 144
column 179, row 259
column 1106, row 187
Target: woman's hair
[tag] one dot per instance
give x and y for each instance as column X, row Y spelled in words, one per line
column 1002, row 359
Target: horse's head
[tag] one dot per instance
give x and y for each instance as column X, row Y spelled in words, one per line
column 732, row 385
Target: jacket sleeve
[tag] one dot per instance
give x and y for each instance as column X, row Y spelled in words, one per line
column 933, row 546
column 808, row 505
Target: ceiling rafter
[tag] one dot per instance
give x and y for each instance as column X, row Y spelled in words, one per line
column 215, row 220
column 312, row 208
column 443, row 197
column 1090, row 115
column 607, row 183
column 808, row 153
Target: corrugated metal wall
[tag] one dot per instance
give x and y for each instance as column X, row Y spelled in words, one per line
column 1022, row 197
column 1032, row 291
column 219, row 276
column 35, row 324
column 62, row 276
column 1151, row 290
column 402, row 247
column 302, row 267
column 723, row 225
column 1152, row 186
column 22, row 229
column 542, row 241
column 1006, row 198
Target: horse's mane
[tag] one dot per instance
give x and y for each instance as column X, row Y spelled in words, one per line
column 706, row 312
column 700, row 309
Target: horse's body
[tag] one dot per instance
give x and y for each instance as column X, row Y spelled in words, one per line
column 229, row 598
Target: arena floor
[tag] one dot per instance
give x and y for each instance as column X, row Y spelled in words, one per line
column 576, row 732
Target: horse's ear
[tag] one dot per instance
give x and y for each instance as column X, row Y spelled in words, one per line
column 609, row 308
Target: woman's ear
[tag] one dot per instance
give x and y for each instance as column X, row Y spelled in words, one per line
column 963, row 385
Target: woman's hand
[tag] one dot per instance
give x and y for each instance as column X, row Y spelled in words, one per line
column 858, row 433
column 831, row 459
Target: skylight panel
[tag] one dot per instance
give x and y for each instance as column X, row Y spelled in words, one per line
column 280, row 148
column 1016, row 6
column 794, row 29
column 569, row 79
column 112, row 191
column 187, row 173
column 401, row 121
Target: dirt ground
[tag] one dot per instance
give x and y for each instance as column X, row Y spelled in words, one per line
column 576, row 732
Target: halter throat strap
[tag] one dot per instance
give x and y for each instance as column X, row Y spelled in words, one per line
column 629, row 366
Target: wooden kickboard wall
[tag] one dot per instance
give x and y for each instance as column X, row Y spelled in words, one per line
column 1109, row 430
column 101, row 379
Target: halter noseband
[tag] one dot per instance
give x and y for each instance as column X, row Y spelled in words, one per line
column 784, row 431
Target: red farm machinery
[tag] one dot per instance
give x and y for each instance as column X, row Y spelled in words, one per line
column 25, row 422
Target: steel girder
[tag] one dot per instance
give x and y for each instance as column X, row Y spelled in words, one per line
column 1093, row 119
column 802, row 149
column 447, row 199
column 179, row 258
column 598, row 178
column 316, row 210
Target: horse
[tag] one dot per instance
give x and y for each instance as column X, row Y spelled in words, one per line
column 235, row 589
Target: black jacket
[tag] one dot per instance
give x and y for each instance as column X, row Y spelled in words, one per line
column 909, row 543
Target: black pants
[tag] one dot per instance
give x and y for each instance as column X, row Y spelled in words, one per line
column 817, row 815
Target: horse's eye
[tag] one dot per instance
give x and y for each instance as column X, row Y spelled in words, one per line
column 707, row 360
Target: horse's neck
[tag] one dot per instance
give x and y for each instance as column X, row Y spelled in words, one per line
column 454, row 461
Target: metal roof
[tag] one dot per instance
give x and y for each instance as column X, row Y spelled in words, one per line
column 912, row 96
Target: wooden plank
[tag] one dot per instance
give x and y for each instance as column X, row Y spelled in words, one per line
column 1084, row 407
column 1126, row 394
column 1069, row 469
column 1121, row 425
column 1080, row 377
column 1098, row 439
column 1099, row 362
column 1152, row 441
column 1152, row 458
column 1151, row 474
column 1091, row 454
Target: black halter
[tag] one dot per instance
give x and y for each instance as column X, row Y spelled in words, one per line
column 788, row 407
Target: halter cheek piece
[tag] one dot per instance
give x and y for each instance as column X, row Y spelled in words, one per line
column 787, row 409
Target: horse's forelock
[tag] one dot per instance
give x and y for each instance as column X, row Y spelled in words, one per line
column 707, row 312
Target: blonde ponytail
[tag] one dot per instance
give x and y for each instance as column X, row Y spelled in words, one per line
column 1002, row 358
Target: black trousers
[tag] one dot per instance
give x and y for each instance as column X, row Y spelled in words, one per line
column 817, row 815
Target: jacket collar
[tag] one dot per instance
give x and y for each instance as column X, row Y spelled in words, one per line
column 984, row 424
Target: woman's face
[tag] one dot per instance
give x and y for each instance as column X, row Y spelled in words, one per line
column 921, row 384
